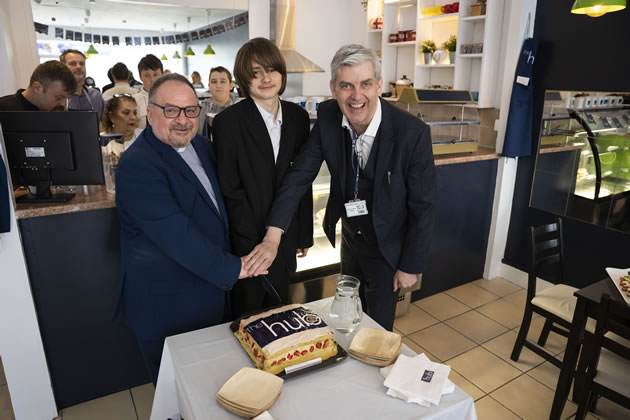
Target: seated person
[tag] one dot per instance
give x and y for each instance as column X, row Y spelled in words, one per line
column 50, row 86
column 120, row 117
column 221, row 85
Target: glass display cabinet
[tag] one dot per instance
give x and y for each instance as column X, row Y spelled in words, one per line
column 452, row 116
column 583, row 163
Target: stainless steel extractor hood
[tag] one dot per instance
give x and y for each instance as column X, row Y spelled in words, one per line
column 282, row 32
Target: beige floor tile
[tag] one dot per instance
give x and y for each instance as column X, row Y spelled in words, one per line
column 498, row 286
column 476, row 326
column 6, row 410
column 555, row 343
column 418, row 349
column 608, row 410
column 466, row 386
column 115, row 406
column 502, row 346
column 472, row 295
column 504, row 312
column 143, row 400
column 529, row 399
column 3, row 379
column 489, row 409
column 442, row 341
column 442, row 306
column 415, row 320
column 398, row 331
column 589, row 416
column 483, row 369
column 518, row 298
column 546, row 374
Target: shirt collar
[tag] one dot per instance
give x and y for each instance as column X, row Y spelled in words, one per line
column 267, row 117
column 374, row 124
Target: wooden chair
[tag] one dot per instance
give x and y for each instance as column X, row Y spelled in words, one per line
column 556, row 303
column 608, row 356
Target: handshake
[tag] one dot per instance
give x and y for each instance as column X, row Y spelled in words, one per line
column 257, row 262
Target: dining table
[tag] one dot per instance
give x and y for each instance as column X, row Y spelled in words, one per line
column 195, row 365
column 587, row 306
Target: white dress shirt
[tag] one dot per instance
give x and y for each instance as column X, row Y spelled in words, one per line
column 142, row 101
column 274, row 128
column 365, row 140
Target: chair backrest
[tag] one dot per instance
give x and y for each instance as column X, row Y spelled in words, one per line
column 614, row 317
column 545, row 248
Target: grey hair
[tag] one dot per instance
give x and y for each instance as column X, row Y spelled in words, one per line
column 168, row 77
column 350, row 55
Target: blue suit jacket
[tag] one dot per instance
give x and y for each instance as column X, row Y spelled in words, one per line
column 176, row 264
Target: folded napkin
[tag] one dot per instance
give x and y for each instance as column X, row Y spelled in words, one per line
column 417, row 380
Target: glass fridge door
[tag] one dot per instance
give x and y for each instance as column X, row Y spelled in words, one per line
column 322, row 253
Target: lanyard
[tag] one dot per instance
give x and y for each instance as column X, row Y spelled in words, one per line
column 356, row 170
column 87, row 96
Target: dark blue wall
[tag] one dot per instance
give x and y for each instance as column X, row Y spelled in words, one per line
column 576, row 52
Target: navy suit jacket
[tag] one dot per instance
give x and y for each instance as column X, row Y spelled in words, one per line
column 404, row 183
column 176, row 265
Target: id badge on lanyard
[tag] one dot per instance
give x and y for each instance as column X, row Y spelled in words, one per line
column 355, row 207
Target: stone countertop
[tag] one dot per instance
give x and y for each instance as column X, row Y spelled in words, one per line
column 97, row 198
column 93, row 197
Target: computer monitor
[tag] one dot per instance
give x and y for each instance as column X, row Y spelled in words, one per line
column 52, row 148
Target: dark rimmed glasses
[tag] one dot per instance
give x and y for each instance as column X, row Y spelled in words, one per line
column 173, row 111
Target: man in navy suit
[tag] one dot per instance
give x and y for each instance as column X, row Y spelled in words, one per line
column 382, row 185
column 176, row 264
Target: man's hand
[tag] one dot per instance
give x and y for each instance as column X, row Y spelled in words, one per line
column 403, row 280
column 301, row 252
column 262, row 256
column 243, row 274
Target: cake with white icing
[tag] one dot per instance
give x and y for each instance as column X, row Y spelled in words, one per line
column 285, row 336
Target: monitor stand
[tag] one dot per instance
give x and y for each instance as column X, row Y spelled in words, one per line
column 43, row 194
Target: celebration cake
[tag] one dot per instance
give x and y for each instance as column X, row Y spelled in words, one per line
column 285, row 336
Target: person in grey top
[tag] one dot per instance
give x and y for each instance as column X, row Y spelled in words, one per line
column 221, row 85
column 84, row 98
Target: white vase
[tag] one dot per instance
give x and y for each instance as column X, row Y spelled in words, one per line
column 452, row 55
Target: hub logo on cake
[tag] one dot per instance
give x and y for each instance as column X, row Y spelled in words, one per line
column 276, row 326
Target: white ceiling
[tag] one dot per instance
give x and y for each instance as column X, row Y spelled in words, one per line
column 121, row 14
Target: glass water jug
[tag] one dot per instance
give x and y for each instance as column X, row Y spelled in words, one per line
column 346, row 311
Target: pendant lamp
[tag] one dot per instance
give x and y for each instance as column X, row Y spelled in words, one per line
column 596, row 8
column 164, row 57
column 189, row 52
column 176, row 55
column 209, row 50
column 91, row 51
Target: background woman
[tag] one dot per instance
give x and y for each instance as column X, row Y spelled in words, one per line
column 196, row 80
column 120, row 117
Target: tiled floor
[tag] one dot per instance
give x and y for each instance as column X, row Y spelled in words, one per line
column 472, row 328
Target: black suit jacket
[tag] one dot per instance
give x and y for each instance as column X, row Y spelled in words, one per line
column 404, row 183
column 250, row 178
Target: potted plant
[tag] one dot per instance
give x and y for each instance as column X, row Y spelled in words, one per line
column 450, row 45
column 428, row 47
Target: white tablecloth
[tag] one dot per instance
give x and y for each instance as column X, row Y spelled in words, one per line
column 196, row 364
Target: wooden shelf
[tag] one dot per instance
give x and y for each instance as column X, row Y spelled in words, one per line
column 473, row 18
column 440, row 18
column 436, row 65
column 401, row 44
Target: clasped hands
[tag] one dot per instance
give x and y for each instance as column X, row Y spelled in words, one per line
column 257, row 262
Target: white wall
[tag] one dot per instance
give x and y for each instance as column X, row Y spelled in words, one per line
column 321, row 27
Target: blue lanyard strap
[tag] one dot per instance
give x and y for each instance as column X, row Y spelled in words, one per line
column 355, row 156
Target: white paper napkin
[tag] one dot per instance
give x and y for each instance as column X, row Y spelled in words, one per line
column 417, row 379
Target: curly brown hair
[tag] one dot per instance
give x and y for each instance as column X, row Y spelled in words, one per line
column 111, row 107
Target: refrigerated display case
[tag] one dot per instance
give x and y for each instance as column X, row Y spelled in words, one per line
column 322, row 258
column 583, row 163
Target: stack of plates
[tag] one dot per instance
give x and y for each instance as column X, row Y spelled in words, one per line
column 375, row 347
column 249, row 392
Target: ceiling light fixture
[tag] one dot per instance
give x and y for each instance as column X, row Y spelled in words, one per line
column 596, row 8
column 189, row 52
column 176, row 55
column 208, row 50
column 164, row 57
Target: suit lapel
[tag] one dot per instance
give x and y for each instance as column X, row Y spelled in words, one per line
column 340, row 149
column 385, row 136
column 287, row 145
column 258, row 130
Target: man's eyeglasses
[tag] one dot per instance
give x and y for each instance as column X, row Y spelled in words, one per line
column 122, row 95
column 172, row 111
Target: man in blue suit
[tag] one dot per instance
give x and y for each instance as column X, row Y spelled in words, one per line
column 176, row 265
